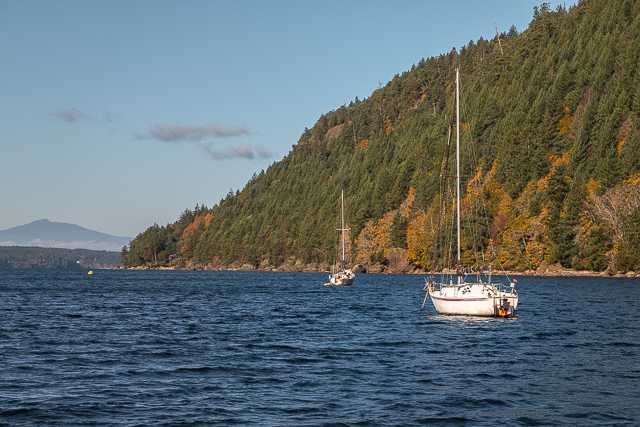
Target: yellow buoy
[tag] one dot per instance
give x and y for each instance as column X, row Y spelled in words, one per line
column 90, row 272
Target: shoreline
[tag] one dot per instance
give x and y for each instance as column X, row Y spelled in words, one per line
column 293, row 269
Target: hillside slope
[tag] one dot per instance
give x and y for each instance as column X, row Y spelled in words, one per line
column 550, row 156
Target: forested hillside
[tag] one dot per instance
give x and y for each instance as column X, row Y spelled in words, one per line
column 550, row 155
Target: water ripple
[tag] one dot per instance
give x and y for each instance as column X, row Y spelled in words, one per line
column 273, row 349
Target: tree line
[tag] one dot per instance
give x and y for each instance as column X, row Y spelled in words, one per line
column 36, row 257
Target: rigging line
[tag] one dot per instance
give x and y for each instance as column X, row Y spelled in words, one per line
column 452, row 231
column 473, row 164
column 448, row 230
column 484, row 208
column 443, row 181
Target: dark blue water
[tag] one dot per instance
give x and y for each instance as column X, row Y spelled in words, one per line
column 278, row 349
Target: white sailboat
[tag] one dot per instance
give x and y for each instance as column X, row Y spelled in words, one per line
column 341, row 277
column 462, row 297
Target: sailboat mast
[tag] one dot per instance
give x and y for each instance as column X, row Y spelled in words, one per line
column 458, row 163
column 342, row 198
column 342, row 229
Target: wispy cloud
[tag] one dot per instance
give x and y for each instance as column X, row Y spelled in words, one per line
column 110, row 117
column 68, row 114
column 238, row 152
column 174, row 132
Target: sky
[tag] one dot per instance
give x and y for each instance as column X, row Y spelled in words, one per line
column 115, row 115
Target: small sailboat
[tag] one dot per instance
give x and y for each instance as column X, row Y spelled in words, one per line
column 463, row 297
column 341, row 277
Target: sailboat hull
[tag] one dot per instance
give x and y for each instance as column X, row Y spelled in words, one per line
column 342, row 279
column 478, row 299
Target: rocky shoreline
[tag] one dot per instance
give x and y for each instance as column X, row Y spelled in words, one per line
column 546, row 270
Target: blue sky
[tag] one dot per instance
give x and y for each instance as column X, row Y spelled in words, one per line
column 115, row 115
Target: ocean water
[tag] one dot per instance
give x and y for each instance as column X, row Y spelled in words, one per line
column 171, row 348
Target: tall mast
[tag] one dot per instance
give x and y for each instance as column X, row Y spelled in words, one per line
column 458, row 163
column 343, row 230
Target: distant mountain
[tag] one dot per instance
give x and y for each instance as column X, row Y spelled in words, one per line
column 47, row 234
